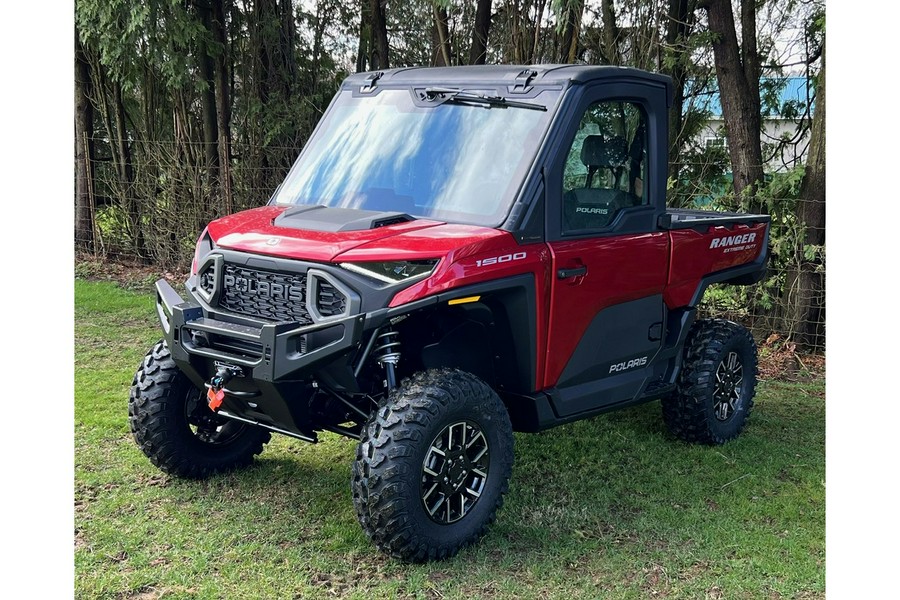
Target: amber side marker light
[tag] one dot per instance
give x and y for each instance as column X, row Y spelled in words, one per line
column 465, row 300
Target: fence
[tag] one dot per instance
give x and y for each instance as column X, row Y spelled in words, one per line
column 152, row 212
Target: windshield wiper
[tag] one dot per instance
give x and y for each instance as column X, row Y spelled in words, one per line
column 459, row 96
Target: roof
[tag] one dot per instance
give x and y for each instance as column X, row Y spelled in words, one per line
column 505, row 75
column 792, row 89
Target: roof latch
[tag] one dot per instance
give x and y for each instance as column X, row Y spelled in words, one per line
column 523, row 80
column 370, row 81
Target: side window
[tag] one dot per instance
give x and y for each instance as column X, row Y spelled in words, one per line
column 606, row 166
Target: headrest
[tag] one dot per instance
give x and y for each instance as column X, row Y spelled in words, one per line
column 597, row 152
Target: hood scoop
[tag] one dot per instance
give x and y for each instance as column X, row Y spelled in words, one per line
column 328, row 218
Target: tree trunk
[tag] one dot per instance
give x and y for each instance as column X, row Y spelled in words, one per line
column 381, row 52
column 322, row 21
column 533, row 56
column 84, row 151
column 286, row 46
column 223, row 102
column 208, row 96
column 610, row 33
column 443, row 54
column 739, row 96
column 749, row 54
column 680, row 18
column 480, row 31
column 126, row 176
column 568, row 47
column 365, row 37
column 265, row 27
column 807, row 284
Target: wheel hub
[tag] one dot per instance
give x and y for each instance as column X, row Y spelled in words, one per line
column 454, row 472
column 729, row 384
column 207, row 426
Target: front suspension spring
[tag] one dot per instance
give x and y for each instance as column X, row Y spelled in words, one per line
column 387, row 354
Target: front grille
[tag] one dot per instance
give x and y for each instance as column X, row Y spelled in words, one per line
column 269, row 295
column 208, row 279
column 329, row 301
column 264, row 294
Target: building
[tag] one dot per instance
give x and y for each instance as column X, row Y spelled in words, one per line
column 785, row 121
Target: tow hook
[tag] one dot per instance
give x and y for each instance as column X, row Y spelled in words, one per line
column 215, row 395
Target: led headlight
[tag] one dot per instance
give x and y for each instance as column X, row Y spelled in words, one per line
column 204, row 247
column 394, row 271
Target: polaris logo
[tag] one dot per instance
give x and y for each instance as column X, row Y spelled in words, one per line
column 592, row 211
column 732, row 240
column 264, row 288
column 624, row 366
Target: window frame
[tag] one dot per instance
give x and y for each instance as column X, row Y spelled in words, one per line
column 653, row 98
column 645, row 163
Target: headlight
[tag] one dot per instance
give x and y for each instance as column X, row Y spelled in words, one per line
column 394, row 271
column 204, row 247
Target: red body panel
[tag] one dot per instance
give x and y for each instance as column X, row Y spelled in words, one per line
column 253, row 231
column 464, row 248
column 619, row 269
column 693, row 258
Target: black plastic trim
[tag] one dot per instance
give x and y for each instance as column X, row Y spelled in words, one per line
column 701, row 219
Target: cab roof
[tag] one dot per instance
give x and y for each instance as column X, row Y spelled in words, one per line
column 508, row 75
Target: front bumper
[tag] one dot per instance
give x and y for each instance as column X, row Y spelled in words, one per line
column 275, row 362
column 269, row 352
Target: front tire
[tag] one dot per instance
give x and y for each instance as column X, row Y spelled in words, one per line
column 175, row 428
column 716, row 384
column 432, row 466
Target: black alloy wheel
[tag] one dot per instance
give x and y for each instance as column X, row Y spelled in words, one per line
column 729, row 386
column 455, row 471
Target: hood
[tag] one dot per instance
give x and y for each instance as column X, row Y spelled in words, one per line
column 360, row 236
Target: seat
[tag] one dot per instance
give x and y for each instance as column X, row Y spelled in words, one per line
column 595, row 208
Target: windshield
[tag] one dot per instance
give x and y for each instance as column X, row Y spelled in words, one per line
column 451, row 162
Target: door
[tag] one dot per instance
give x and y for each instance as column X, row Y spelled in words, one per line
column 609, row 261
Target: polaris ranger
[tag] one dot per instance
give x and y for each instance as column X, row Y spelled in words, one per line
column 457, row 254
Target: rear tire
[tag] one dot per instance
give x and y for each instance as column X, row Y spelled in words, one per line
column 432, row 466
column 175, row 428
column 716, row 385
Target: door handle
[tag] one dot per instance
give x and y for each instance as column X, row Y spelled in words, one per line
column 573, row 272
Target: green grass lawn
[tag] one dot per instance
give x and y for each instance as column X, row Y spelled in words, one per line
column 612, row 507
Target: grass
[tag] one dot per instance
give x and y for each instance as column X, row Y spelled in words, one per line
column 611, row 507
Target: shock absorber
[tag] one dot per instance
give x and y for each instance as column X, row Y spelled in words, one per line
column 387, row 354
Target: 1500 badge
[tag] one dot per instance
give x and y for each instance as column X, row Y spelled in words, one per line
column 501, row 259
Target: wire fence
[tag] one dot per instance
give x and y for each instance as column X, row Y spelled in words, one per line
column 151, row 210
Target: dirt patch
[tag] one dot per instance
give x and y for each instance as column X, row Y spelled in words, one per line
column 779, row 359
column 144, row 593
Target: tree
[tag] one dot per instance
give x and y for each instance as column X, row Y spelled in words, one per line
column 221, row 58
column 805, row 287
column 381, row 52
column 610, row 33
column 84, row 150
column 373, row 51
column 738, row 71
column 570, row 21
column 440, row 35
column 480, row 32
column 676, row 61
